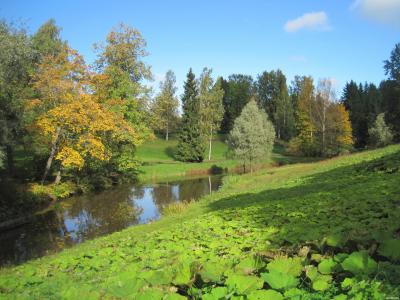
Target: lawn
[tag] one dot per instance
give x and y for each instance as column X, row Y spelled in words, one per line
column 322, row 230
column 157, row 159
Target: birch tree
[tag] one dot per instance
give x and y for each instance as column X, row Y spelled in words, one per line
column 211, row 106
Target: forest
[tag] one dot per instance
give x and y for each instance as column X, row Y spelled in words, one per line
column 69, row 128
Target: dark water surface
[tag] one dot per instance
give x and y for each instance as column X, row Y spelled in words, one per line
column 86, row 217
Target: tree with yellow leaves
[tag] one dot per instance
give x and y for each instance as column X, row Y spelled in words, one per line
column 76, row 125
column 340, row 132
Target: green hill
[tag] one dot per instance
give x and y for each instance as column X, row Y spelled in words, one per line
column 323, row 230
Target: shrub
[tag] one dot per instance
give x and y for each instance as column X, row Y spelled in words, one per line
column 53, row 191
column 176, row 207
column 380, row 134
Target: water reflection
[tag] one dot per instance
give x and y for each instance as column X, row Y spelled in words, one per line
column 85, row 217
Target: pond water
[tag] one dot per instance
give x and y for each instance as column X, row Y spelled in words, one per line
column 91, row 215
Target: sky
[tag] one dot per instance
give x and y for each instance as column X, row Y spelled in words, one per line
column 337, row 39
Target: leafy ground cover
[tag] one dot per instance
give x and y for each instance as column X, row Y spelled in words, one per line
column 325, row 230
column 157, row 159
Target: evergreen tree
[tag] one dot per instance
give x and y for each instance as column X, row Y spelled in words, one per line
column 190, row 145
column 380, row 134
column 252, row 135
column 165, row 106
column 238, row 90
column 364, row 103
column 273, row 96
column 391, row 91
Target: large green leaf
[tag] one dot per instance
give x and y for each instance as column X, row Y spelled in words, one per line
column 183, row 274
column 150, row 294
column 249, row 265
column 359, row 263
column 212, row 271
column 278, row 280
column 286, row 265
column 244, row 284
column 327, row 266
column 320, row 285
column 390, row 248
column 265, row 295
column 216, row 293
column 158, row 277
column 319, row 281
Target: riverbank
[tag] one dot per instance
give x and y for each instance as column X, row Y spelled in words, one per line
column 316, row 230
column 91, row 215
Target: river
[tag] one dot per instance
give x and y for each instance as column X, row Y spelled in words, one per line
column 85, row 217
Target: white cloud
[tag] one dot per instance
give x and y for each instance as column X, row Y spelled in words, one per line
column 382, row 11
column 314, row 21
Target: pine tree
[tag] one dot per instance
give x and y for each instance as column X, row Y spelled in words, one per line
column 190, row 145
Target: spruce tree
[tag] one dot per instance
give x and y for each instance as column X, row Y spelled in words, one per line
column 190, row 145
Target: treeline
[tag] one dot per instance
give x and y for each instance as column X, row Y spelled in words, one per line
column 82, row 123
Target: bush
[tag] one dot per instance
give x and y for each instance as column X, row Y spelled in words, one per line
column 53, row 191
column 380, row 134
column 176, row 207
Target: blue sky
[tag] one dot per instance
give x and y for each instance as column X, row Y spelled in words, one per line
column 337, row 39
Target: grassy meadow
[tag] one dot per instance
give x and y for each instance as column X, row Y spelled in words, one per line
column 157, row 159
column 321, row 230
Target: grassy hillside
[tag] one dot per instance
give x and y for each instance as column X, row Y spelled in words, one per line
column 324, row 230
column 157, row 158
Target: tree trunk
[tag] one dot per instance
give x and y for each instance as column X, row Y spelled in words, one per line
column 58, row 176
column 210, row 143
column 52, row 154
column 167, row 133
column 209, row 184
column 10, row 160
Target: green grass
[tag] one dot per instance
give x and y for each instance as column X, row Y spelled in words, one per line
column 323, row 230
column 157, row 157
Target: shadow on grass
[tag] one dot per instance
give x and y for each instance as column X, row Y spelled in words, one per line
column 170, row 152
column 354, row 202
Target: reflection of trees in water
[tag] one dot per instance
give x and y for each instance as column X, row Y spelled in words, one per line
column 91, row 215
column 44, row 235
column 163, row 194
column 103, row 213
column 194, row 188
